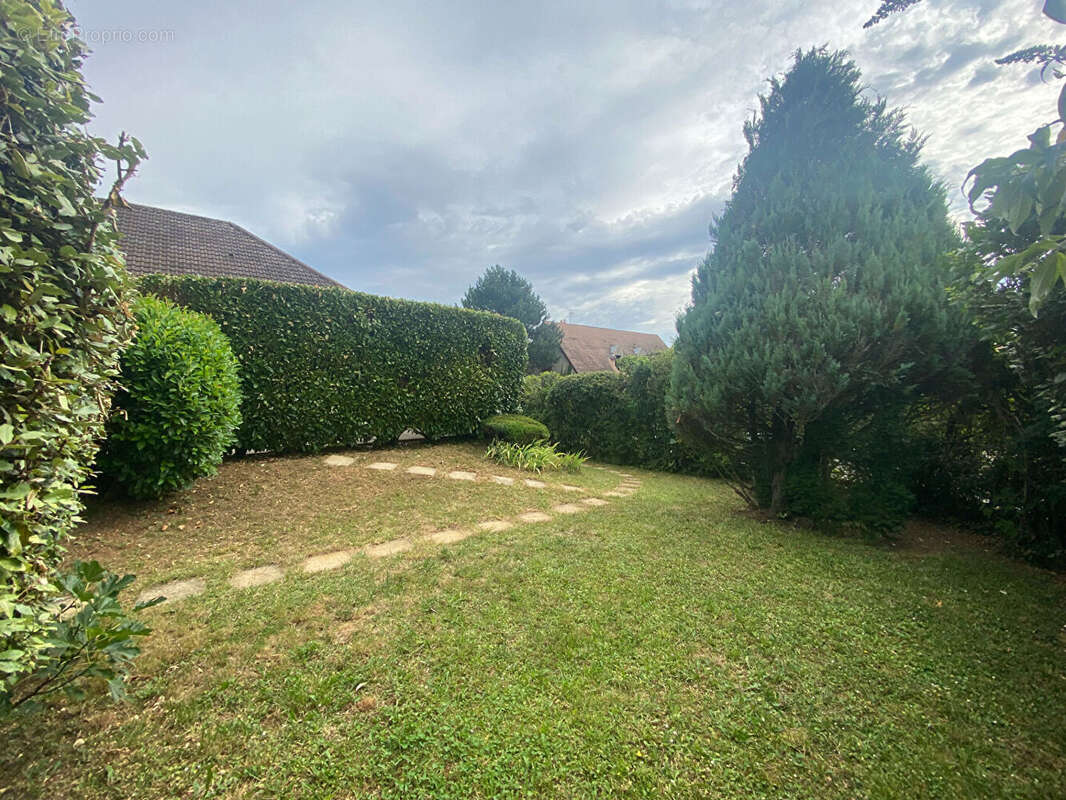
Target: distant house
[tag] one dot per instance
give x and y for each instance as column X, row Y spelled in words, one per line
column 156, row 240
column 588, row 349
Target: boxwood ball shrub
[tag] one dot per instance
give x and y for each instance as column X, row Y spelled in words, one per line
column 180, row 405
column 326, row 367
column 514, row 428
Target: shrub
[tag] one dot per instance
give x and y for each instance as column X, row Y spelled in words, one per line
column 62, row 317
column 514, row 428
column 325, row 367
column 175, row 418
column 593, row 413
column 533, row 399
column 535, row 457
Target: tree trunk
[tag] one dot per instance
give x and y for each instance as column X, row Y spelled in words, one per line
column 780, row 455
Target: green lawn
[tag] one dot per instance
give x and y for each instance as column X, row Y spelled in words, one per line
column 665, row 645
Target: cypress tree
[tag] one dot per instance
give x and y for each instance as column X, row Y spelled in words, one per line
column 822, row 303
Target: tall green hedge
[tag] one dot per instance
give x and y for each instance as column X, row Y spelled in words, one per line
column 618, row 417
column 325, row 367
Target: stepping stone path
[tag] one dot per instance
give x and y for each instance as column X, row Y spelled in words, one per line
column 258, row 576
column 567, row 508
column 339, row 461
column 255, row 577
column 534, row 516
column 389, row 548
column 450, row 536
column 495, row 525
column 326, row 561
column 174, row 591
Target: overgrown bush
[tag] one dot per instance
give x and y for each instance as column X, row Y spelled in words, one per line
column 514, row 428
column 533, row 398
column 63, row 320
column 534, row 457
column 180, row 404
column 324, row 367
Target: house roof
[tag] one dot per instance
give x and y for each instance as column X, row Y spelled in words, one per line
column 589, row 349
column 156, row 240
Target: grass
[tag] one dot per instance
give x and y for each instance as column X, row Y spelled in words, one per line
column 665, row 645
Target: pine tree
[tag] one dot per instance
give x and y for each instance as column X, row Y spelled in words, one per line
column 822, row 302
column 508, row 293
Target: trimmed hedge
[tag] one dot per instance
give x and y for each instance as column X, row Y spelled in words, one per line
column 533, row 399
column 514, row 428
column 618, row 417
column 180, row 404
column 325, row 367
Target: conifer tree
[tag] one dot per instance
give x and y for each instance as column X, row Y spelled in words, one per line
column 821, row 304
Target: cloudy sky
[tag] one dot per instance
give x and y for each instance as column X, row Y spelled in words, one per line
column 403, row 147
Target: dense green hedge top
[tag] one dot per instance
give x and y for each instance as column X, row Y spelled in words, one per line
column 323, row 367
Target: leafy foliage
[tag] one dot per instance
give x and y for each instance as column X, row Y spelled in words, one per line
column 509, row 294
column 93, row 637
column 323, row 367
column 534, row 456
column 592, row 412
column 1028, row 185
column 180, row 404
column 63, row 320
column 823, row 300
column 514, row 428
column 533, row 399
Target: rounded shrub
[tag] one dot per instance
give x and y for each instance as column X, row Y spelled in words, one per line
column 176, row 416
column 592, row 412
column 514, row 428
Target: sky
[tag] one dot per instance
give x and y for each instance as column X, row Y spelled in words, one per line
column 403, row 147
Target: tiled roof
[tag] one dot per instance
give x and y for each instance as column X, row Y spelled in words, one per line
column 589, row 349
column 157, row 240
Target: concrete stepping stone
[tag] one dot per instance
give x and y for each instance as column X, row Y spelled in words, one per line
column 567, row 508
column 382, row 465
column 534, row 516
column 326, row 561
column 450, row 536
column 428, row 471
column 502, row 480
column 616, row 494
column 568, row 488
column 389, row 548
column 495, row 525
column 594, row 501
column 460, row 475
column 174, row 591
column 338, row 461
column 535, row 484
column 256, row 576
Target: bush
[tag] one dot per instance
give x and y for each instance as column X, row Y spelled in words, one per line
column 325, row 367
column 514, row 428
column 592, row 412
column 533, row 399
column 62, row 318
column 175, row 418
column 535, row 457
